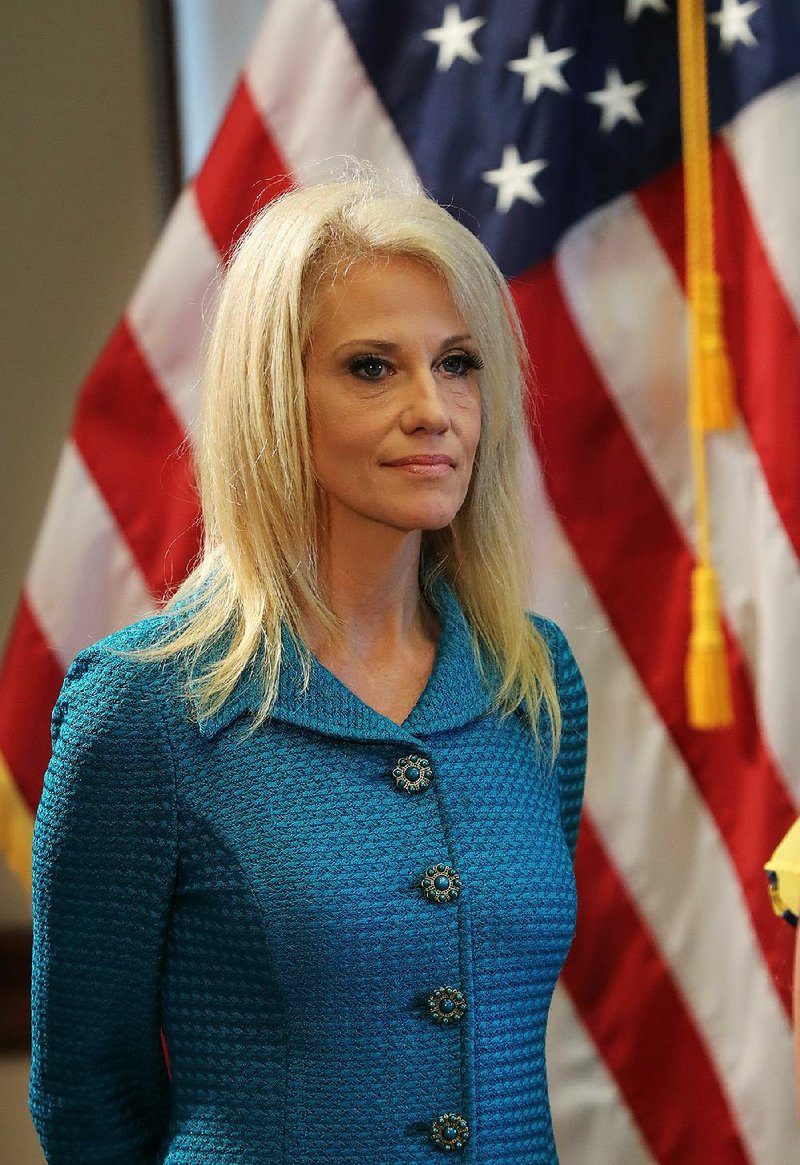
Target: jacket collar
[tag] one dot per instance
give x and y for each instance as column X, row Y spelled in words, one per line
column 455, row 693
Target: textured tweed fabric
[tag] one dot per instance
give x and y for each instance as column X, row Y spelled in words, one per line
column 262, row 899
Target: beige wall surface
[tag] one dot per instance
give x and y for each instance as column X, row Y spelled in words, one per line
column 79, row 217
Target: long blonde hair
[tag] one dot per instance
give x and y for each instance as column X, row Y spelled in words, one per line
column 259, row 568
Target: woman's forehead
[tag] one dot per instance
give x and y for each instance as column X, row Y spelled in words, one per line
column 383, row 288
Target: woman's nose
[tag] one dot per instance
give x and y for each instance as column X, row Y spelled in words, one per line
column 425, row 407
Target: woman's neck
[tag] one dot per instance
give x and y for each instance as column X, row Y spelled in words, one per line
column 373, row 588
column 386, row 648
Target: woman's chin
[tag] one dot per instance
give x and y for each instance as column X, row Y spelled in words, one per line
column 426, row 520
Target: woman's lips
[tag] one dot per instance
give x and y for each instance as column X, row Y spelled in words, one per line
column 424, row 465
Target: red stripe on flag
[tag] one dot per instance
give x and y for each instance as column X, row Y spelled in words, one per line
column 761, row 332
column 661, row 202
column 243, row 172
column 30, row 681
column 639, row 565
column 657, row 1053
column 139, row 456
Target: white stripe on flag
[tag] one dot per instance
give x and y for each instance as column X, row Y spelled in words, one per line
column 592, row 1123
column 82, row 583
column 172, row 309
column 316, row 99
column 608, row 262
column 765, row 144
column 657, row 829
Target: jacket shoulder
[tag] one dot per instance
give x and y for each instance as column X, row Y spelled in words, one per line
column 566, row 672
column 113, row 679
column 570, row 763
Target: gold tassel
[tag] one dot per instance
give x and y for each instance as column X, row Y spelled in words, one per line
column 708, row 685
column 713, row 374
column 711, row 398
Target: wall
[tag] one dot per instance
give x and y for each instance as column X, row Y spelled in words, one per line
column 79, row 197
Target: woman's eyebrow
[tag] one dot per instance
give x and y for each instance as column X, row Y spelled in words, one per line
column 390, row 346
column 377, row 345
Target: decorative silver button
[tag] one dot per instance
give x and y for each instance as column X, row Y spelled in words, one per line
column 441, row 883
column 447, row 1004
column 449, row 1131
column 412, row 773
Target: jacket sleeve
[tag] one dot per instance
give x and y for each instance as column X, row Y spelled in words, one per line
column 104, row 857
column 570, row 765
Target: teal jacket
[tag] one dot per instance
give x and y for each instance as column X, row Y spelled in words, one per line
column 347, row 931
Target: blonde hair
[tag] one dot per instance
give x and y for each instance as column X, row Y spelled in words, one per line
column 259, row 568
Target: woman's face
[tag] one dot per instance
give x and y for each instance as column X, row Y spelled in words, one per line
column 393, row 397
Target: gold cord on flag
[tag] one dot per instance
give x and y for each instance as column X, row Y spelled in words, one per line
column 16, row 828
column 711, row 405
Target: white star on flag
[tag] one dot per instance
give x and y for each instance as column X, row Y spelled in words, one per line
column 541, row 69
column 734, row 19
column 635, row 8
column 617, row 100
column 454, row 38
column 514, row 179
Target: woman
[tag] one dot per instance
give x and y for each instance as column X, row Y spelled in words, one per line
column 313, row 825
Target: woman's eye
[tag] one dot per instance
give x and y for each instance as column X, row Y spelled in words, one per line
column 369, row 367
column 460, row 363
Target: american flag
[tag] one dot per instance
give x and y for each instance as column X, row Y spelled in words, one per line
column 552, row 130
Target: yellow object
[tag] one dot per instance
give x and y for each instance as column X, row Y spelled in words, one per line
column 708, row 685
column 16, row 828
column 783, row 870
column 711, row 404
column 711, row 375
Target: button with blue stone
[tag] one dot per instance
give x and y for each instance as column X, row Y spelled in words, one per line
column 447, row 1004
column 440, row 883
column 412, row 773
column 449, row 1131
